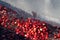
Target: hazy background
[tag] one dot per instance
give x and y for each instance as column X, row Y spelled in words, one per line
column 48, row 10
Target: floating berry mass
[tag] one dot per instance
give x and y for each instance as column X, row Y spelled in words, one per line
column 30, row 28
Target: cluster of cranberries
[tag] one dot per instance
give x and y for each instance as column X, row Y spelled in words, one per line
column 57, row 35
column 30, row 28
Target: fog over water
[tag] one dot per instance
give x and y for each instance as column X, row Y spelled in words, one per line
column 48, row 10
